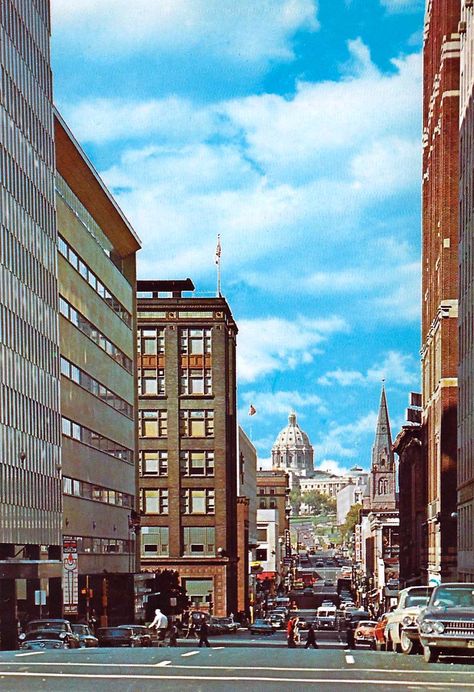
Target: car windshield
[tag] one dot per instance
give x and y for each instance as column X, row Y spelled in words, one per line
column 42, row 634
column 416, row 600
column 80, row 629
column 459, row 597
column 116, row 632
column 45, row 625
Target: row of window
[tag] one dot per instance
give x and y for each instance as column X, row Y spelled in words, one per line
column 193, row 423
column 193, row 463
column 93, row 544
column 23, row 487
column 193, row 501
column 90, row 491
column 83, row 379
column 90, row 330
column 151, row 381
column 95, row 440
column 94, row 282
column 27, row 415
column 151, row 340
column 197, row 541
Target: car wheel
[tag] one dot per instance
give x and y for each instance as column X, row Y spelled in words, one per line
column 406, row 644
column 430, row 654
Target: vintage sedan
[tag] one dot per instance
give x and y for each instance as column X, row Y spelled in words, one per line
column 261, row 627
column 401, row 631
column 447, row 623
column 86, row 638
column 118, row 636
column 55, row 633
column 144, row 632
column 365, row 633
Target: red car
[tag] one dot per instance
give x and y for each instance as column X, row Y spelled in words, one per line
column 365, row 633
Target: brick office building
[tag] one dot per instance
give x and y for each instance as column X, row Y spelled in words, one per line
column 440, row 280
column 188, row 440
column 466, row 303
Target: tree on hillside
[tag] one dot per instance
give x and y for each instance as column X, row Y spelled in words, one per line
column 352, row 519
column 295, row 500
column 319, row 503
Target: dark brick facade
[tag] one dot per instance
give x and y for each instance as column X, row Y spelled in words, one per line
column 440, row 280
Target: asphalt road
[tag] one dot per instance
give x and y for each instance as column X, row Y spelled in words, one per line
column 224, row 668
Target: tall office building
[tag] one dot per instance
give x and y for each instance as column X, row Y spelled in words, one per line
column 96, row 270
column 466, row 303
column 30, row 431
column 440, row 280
column 188, row 440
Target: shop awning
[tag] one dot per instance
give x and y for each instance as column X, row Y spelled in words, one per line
column 265, row 575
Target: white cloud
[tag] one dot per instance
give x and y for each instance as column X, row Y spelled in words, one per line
column 242, row 32
column 402, row 6
column 396, row 368
column 333, row 466
column 341, row 440
column 279, row 403
column 272, row 344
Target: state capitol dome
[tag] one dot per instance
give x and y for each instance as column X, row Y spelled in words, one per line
column 292, row 450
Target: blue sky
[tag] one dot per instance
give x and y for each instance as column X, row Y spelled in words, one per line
column 292, row 128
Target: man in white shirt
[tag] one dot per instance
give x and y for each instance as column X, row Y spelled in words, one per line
column 160, row 623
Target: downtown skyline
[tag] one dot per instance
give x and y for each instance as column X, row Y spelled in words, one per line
column 294, row 131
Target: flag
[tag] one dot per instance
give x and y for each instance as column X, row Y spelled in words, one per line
column 252, row 410
column 218, row 249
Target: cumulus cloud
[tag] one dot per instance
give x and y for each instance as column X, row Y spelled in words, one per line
column 243, row 32
column 333, row 466
column 396, row 368
column 342, row 440
column 280, row 403
column 274, row 344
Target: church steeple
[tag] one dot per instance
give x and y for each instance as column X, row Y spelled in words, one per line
column 382, row 454
column 382, row 476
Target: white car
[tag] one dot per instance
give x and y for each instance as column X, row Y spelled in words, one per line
column 401, row 630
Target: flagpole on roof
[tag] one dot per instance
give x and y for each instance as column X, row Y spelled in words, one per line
column 218, row 262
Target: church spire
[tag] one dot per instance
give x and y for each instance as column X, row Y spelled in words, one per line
column 382, row 453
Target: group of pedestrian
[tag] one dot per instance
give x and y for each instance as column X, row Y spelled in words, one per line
column 294, row 638
column 162, row 628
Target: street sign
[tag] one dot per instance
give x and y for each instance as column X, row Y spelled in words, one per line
column 40, row 597
column 70, row 576
column 434, row 581
column 287, row 560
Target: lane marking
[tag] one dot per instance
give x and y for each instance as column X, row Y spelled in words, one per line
column 190, row 653
column 228, row 678
column 311, row 669
column 162, row 664
column 216, row 648
column 31, row 653
column 350, row 659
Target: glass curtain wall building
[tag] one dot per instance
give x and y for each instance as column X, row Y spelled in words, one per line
column 30, row 432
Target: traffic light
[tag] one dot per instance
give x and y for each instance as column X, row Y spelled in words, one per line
column 88, row 593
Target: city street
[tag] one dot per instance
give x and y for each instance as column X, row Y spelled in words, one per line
column 222, row 668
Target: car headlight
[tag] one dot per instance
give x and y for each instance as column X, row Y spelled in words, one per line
column 438, row 627
column 408, row 620
column 427, row 627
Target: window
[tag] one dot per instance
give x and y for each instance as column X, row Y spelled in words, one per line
column 151, row 381
column 262, row 504
column 199, row 541
column 155, row 501
column 155, row 541
column 196, row 381
column 261, row 554
column 198, row 590
column 153, row 423
column 151, row 341
column 197, row 423
column 154, row 463
column 94, row 439
column 262, row 535
column 198, row 501
column 195, row 341
column 194, row 463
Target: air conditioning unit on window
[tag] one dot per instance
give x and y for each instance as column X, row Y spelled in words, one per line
column 462, row 27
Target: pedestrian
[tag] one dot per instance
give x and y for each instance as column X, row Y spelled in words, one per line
column 173, row 633
column 350, row 636
column 160, row 623
column 311, row 638
column 204, row 631
column 291, row 633
column 296, row 631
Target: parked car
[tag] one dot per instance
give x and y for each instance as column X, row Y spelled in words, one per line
column 118, row 636
column 277, row 620
column 401, row 631
column 379, row 633
column 228, row 625
column 142, row 631
column 86, row 638
column 58, row 629
column 364, row 633
column 261, row 626
column 447, row 623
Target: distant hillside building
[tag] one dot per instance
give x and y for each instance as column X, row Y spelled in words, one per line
column 293, row 452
